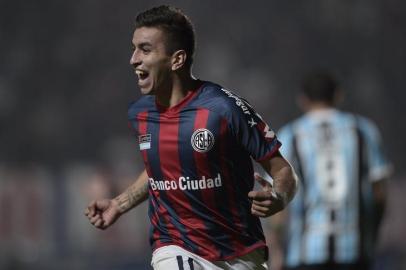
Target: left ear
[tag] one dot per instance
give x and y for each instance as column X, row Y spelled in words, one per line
column 178, row 59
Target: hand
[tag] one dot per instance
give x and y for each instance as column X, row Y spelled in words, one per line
column 103, row 213
column 265, row 202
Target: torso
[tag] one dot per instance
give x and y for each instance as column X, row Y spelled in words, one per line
column 200, row 176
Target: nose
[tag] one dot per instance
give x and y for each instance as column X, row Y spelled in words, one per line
column 135, row 59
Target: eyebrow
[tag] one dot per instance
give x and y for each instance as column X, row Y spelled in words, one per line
column 143, row 44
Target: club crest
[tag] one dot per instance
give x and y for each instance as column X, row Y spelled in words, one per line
column 202, row 140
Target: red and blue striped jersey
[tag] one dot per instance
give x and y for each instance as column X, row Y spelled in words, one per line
column 198, row 158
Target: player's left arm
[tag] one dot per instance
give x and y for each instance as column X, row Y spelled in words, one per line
column 379, row 190
column 379, row 168
column 272, row 199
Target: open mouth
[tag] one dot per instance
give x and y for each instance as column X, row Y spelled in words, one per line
column 142, row 74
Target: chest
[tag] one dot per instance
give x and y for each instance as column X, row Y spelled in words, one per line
column 193, row 131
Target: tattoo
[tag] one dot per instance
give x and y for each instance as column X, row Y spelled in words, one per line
column 133, row 196
column 285, row 185
column 283, row 197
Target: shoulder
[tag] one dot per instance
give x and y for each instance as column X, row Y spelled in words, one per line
column 216, row 98
column 365, row 122
column 294, row 126
column 361, row 123
column 145, row 103
column 367, row 126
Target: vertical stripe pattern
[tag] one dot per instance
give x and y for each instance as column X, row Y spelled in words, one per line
column 190, row 262
column 332, row 215
column 200, row 173
column 180, row 262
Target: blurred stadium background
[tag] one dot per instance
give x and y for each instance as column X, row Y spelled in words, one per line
column 65, row 83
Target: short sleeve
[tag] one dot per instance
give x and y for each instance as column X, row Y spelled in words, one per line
column 132, row 121
column 378, row 165
column 249, row 129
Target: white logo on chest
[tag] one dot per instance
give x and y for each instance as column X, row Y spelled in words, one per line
column 202, row 140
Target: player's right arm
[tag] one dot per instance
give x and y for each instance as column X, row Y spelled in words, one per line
column 103, row 213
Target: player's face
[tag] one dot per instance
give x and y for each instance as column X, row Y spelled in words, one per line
column 150, row 60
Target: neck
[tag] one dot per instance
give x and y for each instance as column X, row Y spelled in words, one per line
column 317, row 106
column 181, row 85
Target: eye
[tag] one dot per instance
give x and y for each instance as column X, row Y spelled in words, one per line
column 145, row 50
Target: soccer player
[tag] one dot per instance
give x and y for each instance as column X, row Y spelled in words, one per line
column 197, row 140
column 333, row 220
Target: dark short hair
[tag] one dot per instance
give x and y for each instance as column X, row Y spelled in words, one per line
column 320, row 86
column 176, row 25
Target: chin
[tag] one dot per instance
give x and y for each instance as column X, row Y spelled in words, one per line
column 146, row 91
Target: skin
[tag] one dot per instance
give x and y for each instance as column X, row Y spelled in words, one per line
column 105, row 212
column 271, row 199
column 166, row 75
column 149, row 54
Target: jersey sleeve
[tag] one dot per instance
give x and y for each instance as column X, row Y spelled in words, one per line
column 137, row 109
column 249, row 129
column 378, row 165
column 132, row 121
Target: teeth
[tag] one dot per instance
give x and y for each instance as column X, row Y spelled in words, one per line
column 140, row 73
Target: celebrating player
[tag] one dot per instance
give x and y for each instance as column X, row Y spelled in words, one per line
column 197, row 140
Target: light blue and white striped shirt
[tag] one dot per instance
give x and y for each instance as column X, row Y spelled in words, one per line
column 338, row 156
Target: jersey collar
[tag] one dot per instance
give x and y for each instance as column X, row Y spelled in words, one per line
column 175, row 109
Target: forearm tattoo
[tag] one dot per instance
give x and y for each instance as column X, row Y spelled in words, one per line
column 285, row 185
column 133, row 196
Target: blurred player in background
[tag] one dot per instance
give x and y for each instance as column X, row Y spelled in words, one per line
column 333, row 221
column 197, row 140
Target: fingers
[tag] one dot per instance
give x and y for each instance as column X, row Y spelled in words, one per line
column 91, row 209
column 257, row 213
column 264, row 203
column 98, row 221
column 102, row 213
column 261, row 195
column 94, row 214
column 99, row 224
column 264, row 211
column 259, row 208
column 96, row 206
column 94, row 219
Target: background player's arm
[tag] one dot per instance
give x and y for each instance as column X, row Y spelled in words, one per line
column 379, row 189
column 103, row 213
column 272, row 199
